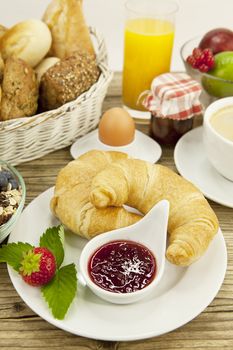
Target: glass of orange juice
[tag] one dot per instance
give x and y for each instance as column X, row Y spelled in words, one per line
column 148, row 43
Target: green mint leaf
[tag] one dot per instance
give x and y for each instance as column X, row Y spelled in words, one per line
column 60, row 292
column 53, row 239
column 12, row 253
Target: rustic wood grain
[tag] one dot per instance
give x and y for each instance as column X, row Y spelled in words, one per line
column 21, row 328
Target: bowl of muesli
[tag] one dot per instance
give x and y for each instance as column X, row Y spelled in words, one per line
column 12, row 198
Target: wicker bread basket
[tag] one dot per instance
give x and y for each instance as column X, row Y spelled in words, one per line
column 24, row 139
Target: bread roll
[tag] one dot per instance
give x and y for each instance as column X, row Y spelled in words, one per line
column 44, row 65
column 19, row 90
column 67, row 79
column 69, row 31
column 29, row 40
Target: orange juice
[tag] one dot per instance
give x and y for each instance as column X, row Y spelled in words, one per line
column 148, row 50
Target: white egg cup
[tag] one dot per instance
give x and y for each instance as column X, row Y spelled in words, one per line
column 150, row 231
column 142, row 147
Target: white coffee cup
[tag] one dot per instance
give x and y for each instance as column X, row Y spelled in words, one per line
column 219, row 150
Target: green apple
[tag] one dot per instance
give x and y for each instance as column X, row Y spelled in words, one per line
column 223, row 69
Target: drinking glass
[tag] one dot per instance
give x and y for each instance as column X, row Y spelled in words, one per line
column 148, row 43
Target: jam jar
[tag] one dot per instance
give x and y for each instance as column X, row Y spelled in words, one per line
column 168, row 131
column 173, row 102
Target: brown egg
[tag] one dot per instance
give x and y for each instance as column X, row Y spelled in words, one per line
column 116, row 127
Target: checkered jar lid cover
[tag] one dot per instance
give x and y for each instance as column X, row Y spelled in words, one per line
column 174, row 96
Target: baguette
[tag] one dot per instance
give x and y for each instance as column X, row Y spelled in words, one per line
column 2, row 30
column 1, row 68
column 70, row 33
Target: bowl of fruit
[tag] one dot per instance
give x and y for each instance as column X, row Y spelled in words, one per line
column 209, row 60
column 12, row 198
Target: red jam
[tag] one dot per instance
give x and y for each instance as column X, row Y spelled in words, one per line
column 168, row 131
column 122, row 266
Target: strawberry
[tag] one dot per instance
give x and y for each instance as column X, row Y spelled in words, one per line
column 38, row 266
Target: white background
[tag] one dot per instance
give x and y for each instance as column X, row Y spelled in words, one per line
column 194, row 17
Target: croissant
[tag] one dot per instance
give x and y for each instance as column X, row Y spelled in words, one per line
column 192, row 223
column 71, row 204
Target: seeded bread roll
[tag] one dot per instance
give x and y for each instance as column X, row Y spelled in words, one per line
column 19, row 90
column 67, row 79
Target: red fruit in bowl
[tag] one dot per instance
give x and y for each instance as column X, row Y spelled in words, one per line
column 203, row 60
column 218, row 40
column 38, row 267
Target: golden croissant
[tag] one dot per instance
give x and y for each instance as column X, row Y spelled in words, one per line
column 139, row 184
column 71, row 203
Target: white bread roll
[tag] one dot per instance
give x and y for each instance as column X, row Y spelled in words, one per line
column 44, row 65
column 29, row 40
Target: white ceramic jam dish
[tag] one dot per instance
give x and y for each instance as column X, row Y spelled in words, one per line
column 219, row 149
column 150, row 232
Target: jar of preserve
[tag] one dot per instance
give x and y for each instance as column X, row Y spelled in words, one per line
column 168, row 131
column 173, row 102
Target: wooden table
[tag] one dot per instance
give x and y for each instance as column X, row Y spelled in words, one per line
column 20, row 328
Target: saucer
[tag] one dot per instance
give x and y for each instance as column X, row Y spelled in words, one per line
column 143, row 147
column 140, row 117
column 192, row 163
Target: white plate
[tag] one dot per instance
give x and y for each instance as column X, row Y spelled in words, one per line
column 181, row 295
column 143, row 116
column 143, row 146
column 192, row 163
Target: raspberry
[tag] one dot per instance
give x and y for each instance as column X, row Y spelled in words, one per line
column 203, row 68
column 197, row 52
column 38, row 267
column 203, row 60
column 191, row 60
column 208, row 58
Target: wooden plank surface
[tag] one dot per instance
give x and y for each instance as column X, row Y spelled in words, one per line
column 20, row 328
